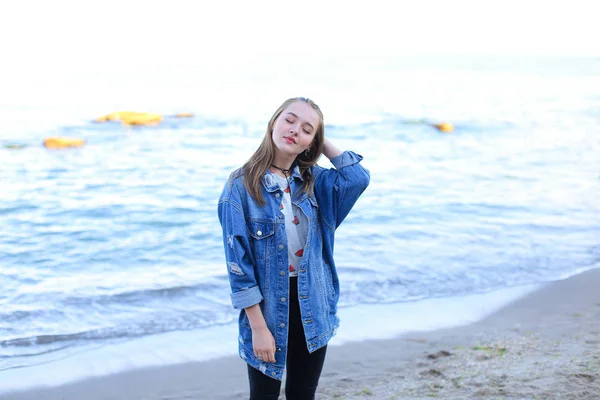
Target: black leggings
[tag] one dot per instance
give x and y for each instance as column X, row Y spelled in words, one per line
column 303, row 368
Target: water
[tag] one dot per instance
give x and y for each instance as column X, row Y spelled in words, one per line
column 118, row 243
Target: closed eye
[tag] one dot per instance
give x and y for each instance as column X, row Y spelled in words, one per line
column 309, row 125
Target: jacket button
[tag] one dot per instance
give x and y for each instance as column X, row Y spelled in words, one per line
column 282, row 325
column 282, row 273
column 259, row 233
column 281, row 246
column 277, row 195
column 273, row 374
column 283, row 299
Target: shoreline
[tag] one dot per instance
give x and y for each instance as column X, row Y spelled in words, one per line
column 544, row 344
column 361, row 322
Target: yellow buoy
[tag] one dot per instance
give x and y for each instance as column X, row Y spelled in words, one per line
column 62, row 142
column 184, row 115
column 142, row 119
column 116, row 116
column 446, row 127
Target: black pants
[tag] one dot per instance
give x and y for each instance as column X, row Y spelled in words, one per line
column 303, row 368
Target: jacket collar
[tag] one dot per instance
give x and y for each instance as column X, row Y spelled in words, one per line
column 270, row 184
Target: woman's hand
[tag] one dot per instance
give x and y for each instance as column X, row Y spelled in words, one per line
column 262, row 339
column 264, row 344
column 330, row 150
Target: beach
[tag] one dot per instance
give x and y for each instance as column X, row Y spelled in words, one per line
column 468, row 268
column 112, row 257
column 545, row 345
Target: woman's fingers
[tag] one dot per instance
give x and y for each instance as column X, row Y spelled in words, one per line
column 267, row 356
column 264, row 345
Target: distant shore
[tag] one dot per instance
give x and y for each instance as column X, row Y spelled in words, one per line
column 543, row 346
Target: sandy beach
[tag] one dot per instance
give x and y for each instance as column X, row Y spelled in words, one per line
column 543, row 346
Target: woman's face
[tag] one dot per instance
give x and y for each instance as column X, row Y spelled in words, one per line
column 295, row 128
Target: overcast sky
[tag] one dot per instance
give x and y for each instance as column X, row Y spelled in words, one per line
column 189, row 31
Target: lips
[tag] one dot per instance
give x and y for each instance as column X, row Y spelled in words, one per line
column 290, row 140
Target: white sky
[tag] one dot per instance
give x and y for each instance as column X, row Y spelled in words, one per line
column 111, row 31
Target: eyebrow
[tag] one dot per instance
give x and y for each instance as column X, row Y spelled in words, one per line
column 294, row 115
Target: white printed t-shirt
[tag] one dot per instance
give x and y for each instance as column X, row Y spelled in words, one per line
column 296, row 225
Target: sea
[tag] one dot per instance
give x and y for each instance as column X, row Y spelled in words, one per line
column 111, row 254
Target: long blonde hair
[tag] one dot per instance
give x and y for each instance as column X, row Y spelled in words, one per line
column 254, row 169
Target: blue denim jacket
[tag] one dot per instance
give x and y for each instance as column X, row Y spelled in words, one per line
column 257, row 257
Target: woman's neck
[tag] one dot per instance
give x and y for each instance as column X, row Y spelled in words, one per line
column 282, row 166
column 282, row 163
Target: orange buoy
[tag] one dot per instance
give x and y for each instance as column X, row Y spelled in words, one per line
column 445, row 127
column 62, row 142
column 142, row 119
column 184, row 115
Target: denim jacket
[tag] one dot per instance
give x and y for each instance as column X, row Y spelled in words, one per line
column 257, row 257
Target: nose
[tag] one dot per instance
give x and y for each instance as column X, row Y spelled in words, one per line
column 294, row 129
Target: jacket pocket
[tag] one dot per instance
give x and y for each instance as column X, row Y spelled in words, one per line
column 262, row 237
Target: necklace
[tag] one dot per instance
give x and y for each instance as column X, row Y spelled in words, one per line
column 286, row 172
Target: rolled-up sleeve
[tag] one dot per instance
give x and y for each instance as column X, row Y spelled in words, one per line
column 337, row 189
column 238, row 254
column 346, row 159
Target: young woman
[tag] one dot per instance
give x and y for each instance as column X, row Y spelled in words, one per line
column 279, row 213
